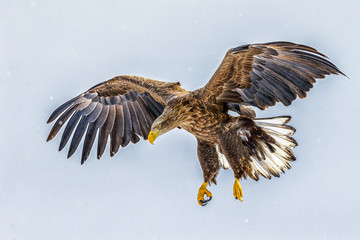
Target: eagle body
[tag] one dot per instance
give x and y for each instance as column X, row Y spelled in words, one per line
column 203, row 120
column 126, row 108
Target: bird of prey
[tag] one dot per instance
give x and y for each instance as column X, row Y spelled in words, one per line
column 254, row 75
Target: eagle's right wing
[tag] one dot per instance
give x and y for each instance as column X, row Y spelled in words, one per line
column 123, row 107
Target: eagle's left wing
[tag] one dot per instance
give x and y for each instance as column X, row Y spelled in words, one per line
column 262, row 74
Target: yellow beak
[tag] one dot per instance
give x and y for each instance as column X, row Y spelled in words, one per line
column 153, row 135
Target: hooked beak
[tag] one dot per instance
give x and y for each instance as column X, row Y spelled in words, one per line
column 153, row 135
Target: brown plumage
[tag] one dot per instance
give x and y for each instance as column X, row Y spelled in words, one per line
column 255, row 75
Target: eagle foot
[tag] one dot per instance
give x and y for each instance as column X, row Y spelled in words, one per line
column 238, row 193
column 202, row 192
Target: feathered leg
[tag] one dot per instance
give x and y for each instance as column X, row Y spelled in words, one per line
column 210, row 165
column 233, row 150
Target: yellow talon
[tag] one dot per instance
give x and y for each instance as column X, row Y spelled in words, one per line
column 238, row 193
column 201, row 193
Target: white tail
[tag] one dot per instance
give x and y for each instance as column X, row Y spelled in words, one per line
column 273, row 156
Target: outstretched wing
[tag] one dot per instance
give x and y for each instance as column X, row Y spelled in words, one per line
column 123, row 107
column 262, row 74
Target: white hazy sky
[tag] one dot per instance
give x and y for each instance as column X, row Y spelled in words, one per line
column 53, row 50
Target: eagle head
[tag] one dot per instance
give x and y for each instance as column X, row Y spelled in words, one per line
column 172, row 117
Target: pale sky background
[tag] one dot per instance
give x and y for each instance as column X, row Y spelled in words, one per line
column 50, row 51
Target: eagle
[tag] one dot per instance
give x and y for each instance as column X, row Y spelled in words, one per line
column 126, row 108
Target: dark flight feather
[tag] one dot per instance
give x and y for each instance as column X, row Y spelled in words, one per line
column 69, row 129
column 105, row 130
column 127, row 125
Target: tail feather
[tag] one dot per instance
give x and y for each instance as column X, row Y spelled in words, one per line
column 283, row 140
column 269, row 147
column 281, row 120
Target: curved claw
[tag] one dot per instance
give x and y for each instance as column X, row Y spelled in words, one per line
column 204, row 202
column 202, row 192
